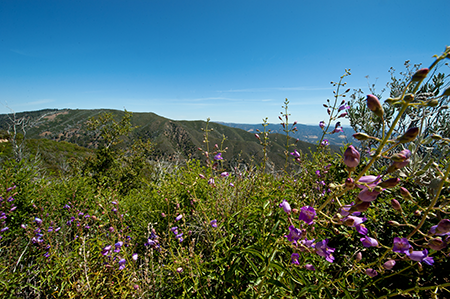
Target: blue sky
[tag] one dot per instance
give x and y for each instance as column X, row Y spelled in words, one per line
column 232, row 61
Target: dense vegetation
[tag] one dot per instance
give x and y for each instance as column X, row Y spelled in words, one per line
column 369, row 222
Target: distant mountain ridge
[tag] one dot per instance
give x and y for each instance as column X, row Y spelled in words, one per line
column 307, row 133
column 172, row 139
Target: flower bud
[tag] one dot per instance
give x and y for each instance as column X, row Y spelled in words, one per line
column 349, row 183
column 393, row 223
column 443, row 226
column 436, row 137
column 374, row 105
column 405, row 193
column 361, row 136
column 389, row 264
column 389, row 183
column 417, row 213
column 371, row 272
column 409, row 135
column 351, row 157
column 437, row 243
column 395, row 204
column 358, row 256
column 363, row 206
column 432, row 103
column 409, row 97
column 420, row 75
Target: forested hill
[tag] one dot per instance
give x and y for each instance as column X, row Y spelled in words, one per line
column 171, row 139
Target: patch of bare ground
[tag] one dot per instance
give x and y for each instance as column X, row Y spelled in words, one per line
column 53, row 116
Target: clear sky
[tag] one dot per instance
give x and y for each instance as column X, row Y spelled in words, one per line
column 232, row 61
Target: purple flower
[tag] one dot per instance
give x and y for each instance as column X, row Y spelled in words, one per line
column 134, row 256
column 231, row 185
column 310, row 267
column 371, row 272
column 443, row 227
column 368, row 196
column 286, row 207
column 369, row 242
column 325, row 142
column 4, row 229
column 66, row 207
column 370, row 180
column 178, row 218
column 307, row 214
column 323, row 250
column 211, row 181
column 351, row 157
column 322, row 124
column 174, row 229
column 224, row 174
column 389, row 264
column 118, row 245
column 294, row 234
column 202, row 176
column 122, row 263
column 179, row 270
column 213, row 223
column 218, row 157
column 37, row 220
column 374, row 105
column 296, row 154
column 437, row 243
column 106, row 250
column 401, row 245
column 11, row 188
column 420, row 256
column 294, row 259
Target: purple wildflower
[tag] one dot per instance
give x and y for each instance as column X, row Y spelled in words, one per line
column 310, row 267
column 122, row 263
column 178, row 218
column 307, row 214
column 351, row 157
column 213, row 223
column 294, row 259
column 224, row 174
column 37, row 220
column 218, row 157
column 4, row 229
column 134, row 256
column 106, row 250
column 296, row 154
column 118, row 245
column 201, row 176
column 420, row 256
column 286, row 207
column 401, row 245
column 322, row 124
column 389, row 264
column 371, row 272
column 294, row 234
column 323, row 250
column 325, row 142
column 368, row 196
column 369, row 242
